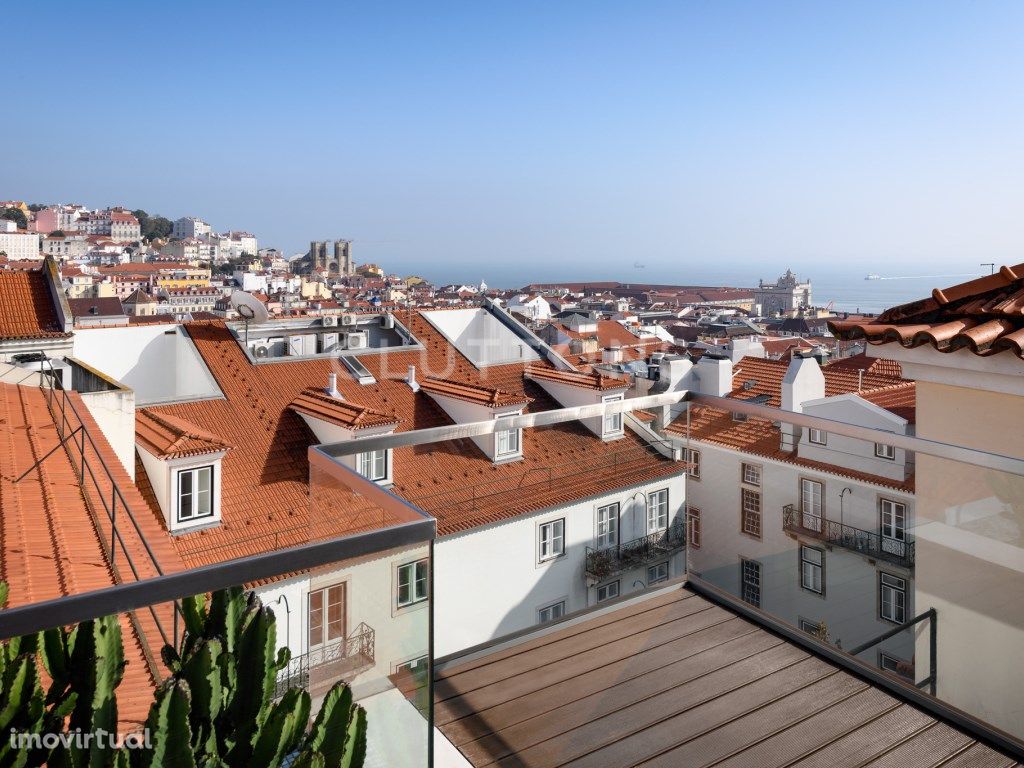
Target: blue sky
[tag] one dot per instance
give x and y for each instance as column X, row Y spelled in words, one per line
column 709, row 141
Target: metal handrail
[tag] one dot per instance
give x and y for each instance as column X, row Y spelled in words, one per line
column 602, row 562
column 856, row 539
column 61, row 407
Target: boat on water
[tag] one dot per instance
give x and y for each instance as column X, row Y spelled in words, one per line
column 873, row 276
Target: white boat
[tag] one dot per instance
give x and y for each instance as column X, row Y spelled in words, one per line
column 873, row 276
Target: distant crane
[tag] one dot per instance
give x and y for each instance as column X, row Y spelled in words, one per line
column 991, row 266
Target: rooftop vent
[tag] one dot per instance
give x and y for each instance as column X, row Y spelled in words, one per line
column 359, row 371
column 749, row 384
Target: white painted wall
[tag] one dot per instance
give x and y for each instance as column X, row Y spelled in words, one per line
column 848, row 451
column 114, row 411
column 159, row 362
column 850, row 604
column 488, row 582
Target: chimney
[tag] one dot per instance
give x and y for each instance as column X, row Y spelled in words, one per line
column 410, row 379
column 802, row 383
column 714, row 375
column 332, row 385
column 611, row 355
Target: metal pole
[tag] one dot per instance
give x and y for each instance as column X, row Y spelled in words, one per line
column 113, row 525
column 933, row 664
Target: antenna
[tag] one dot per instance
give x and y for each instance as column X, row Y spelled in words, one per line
column 991, row 266
column 249, row 308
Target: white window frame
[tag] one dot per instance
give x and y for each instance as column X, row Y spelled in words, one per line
column 808, row 626
column 608, row 526
column 884, row 451
column 893, row 520
column 747, row 511
column 551, row 540
column 612, row 419
column 812, row 569
column 551, row 612
column 693, row 527
column 817, row 436
column 608, row 591
column 693, row 459
column 657, row 511
column 896, row 589
column 193, row 473
column 751, row 474
column 513, row 439
column 368, row 461
column 419, row 582
column 889, row 663
column 658, row 568
column 812, row 503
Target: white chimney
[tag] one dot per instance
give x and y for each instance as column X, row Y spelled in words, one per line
column 410, row 379
column 332, row 385
column 802, row 383
column 714, row 375
column 611, row 355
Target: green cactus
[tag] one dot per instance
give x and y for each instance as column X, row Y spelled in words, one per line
column 216, row 710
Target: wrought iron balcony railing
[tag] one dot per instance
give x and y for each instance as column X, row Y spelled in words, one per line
column 605, row 562
column 868, row 543
column 318, row 669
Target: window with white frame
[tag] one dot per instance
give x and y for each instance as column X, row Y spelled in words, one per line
column 811, row 494
column 884, row 451
column 551, row 539
column 195, row 493
column 657, row 572
column 608, row 526
column 810, row 627
column 693, row 464
column 812, row 569
column 892, row 598
column 551, row 612
column 693, row 527
column 816, row 436
column 612, row 421
column 373, row 465
column 750, row 582
column 893, row 526
column 607, row 591
column 657, row 511
column 412, row 583
column 508, row 442
column 752, row 474
column 326, row 615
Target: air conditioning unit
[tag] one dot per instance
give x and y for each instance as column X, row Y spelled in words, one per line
column 387, row 320
column 328, row 342
column 329, row 321
column 295, row 345
column 261, row 351
column 357, row 340
column 348, row 319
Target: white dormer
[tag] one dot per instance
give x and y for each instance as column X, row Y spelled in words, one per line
column 575, row 388
column 183, row 464
column 335, row 420
column 467, row 403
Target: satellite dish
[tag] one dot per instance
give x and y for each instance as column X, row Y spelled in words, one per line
column 248, row 307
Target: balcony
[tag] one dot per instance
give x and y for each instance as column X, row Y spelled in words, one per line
column 606, row 562
column 320, row 668
column 867, row 543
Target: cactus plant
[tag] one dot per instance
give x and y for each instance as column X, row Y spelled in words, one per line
column 216, row 710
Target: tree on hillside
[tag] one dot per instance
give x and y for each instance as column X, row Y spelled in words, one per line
column 16, row 215
column 37, row 207
column 158, row 227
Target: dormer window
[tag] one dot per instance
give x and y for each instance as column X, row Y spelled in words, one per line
column 373, row 465
column 195, row 494
column 612, row 421
column 508, row 443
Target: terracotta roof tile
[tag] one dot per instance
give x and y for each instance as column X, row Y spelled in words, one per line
column 316, row 402
column 171, row 437
column 474, row 393
column 985, row 315
column 594, row 380
column 27, row 310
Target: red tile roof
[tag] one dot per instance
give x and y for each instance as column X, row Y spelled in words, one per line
column 867, row 364
column 27, row 309
column 316, row 402
column 170, row 437
column 594, row 380
column 265, row 496
column 474, row 393
column 985, row 315
column 760, row 437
